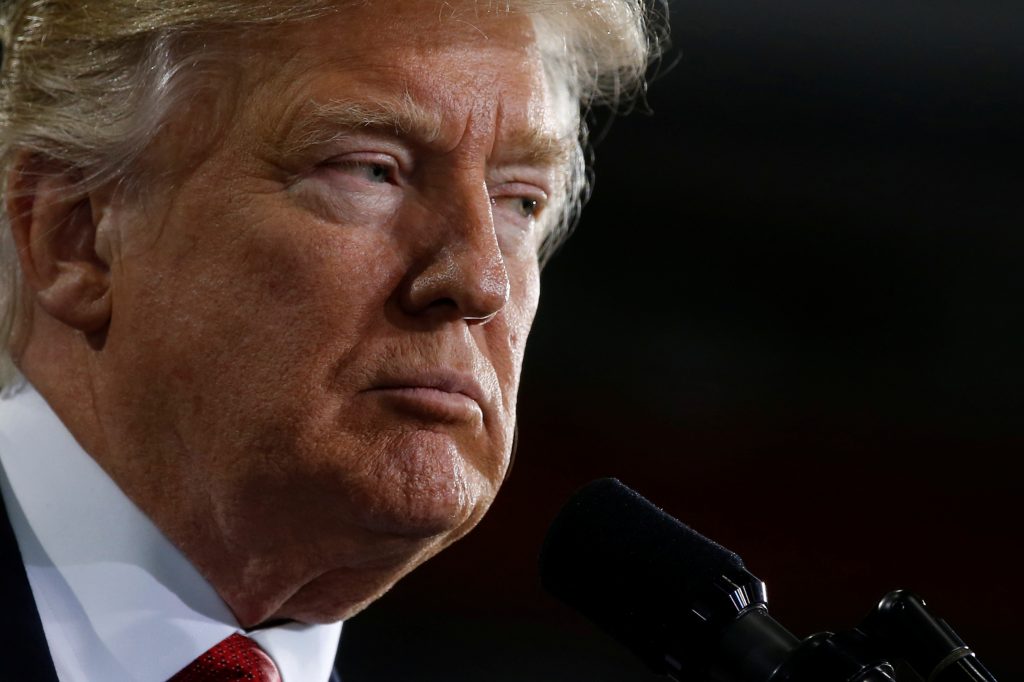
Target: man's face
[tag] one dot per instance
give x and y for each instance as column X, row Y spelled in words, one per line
column 318, row 328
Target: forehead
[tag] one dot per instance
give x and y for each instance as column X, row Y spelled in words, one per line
column 430, row 65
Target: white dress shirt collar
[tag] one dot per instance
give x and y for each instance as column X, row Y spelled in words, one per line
column 117, row 600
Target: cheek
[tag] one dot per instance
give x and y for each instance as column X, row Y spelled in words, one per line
column 253, row 298
column 514, row 328
column 525, row 298
column 291, row 270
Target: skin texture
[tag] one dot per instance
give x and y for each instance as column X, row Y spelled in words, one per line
column 298, row 349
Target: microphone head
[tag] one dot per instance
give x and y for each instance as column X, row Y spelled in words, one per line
column 635, row 571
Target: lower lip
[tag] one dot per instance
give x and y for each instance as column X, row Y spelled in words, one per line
column 431, row 403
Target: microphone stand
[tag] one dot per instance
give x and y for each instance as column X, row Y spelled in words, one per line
column 902, row 628
column 899, row 641
column 691, row 610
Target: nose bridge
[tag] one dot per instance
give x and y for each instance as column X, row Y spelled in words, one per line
column 465, row 268
column 478, row 239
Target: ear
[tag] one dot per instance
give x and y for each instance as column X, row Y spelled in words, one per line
column 54, row 225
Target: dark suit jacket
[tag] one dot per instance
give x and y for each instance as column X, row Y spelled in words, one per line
column 24, row 654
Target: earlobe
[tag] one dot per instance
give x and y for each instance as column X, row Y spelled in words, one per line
column 54, row 226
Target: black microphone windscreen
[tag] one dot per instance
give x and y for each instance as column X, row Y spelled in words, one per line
column 630, row 567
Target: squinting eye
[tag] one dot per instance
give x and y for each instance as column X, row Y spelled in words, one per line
column 525, row 207
column 528, row 208
column 376, row 173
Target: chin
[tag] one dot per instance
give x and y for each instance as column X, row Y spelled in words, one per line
column 427, row 492
column 419, row 499
column 426, row 518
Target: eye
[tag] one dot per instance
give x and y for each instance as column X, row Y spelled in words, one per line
column 527, row 207
column 361, row 168
column 376, row 172
column 518, row 201
column 373, row 172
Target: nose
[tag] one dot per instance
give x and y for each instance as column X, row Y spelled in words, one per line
column 461, row 272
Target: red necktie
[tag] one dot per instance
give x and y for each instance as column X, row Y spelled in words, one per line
column 235, row 658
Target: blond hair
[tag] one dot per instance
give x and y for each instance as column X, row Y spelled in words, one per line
column 89, row 85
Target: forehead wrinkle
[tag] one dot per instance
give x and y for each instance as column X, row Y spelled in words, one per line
column 323, row 122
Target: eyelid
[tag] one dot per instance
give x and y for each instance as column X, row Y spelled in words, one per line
column 382, row 158
column 396, row 173
column 542, row 178
column 369, row 142
column 527, row 190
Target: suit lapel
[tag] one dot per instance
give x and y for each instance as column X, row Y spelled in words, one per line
column 24, row 654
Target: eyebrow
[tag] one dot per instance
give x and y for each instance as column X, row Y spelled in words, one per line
column 325, row 122
column 536, row 148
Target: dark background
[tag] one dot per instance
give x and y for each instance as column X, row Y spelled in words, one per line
column 792, row 316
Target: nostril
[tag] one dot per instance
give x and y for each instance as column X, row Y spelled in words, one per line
column 451, row 304
column 443, row 303
column 482, row 319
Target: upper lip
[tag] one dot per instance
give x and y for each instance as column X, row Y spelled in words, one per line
column 449, row 381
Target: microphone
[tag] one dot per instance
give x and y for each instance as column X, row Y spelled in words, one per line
column 691, row 610
column 660, row 588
